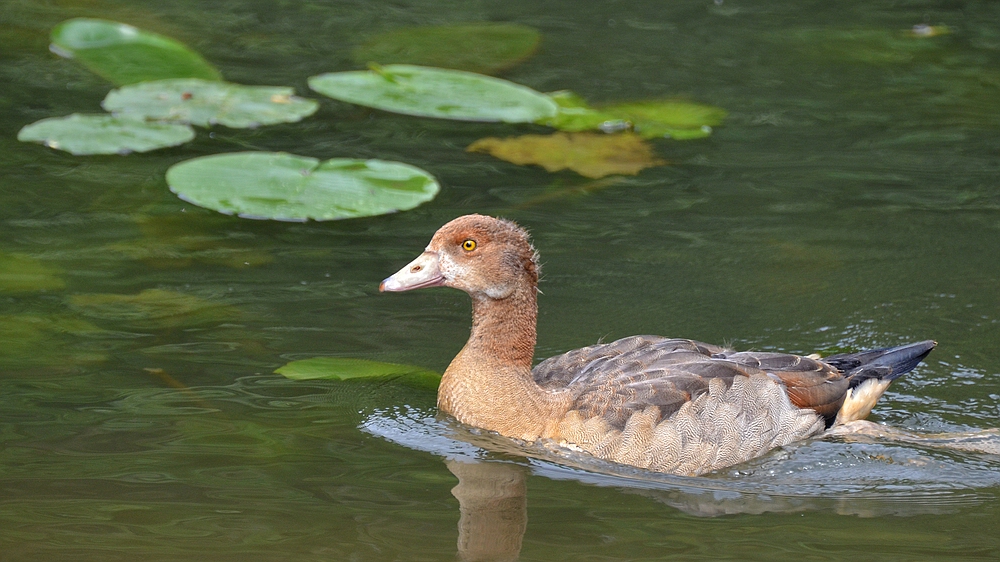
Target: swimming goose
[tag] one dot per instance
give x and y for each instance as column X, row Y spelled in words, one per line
column 663, row 404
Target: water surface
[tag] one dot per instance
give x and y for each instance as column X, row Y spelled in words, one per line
column 850, row 200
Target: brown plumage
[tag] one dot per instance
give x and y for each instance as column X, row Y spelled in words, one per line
column 669, row 405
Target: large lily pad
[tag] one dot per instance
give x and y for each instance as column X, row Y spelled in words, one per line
column 153, row 309
column 589, row 154
column 20, row 273
column 205, row 103
column 676, row 119
column 124, row 54
column 280, row 186
column 475, row 47
column 436, row 92
column 343, row 368
column 104, row 134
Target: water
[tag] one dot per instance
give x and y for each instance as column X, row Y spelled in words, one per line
column 850, row 200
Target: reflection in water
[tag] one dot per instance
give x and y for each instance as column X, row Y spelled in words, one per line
column 862, row 469
column 493, row 502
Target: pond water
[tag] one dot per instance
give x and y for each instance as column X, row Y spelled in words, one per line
column 851, row 199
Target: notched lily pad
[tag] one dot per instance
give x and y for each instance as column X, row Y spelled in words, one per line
column 676, row 119
column 436, row 92
column 20, row 273
column 104, row 134
column 487, row 48
column 589, row 154
column 123, row 54
column 153, row 308
column 205, row 103
column 280, row 186
column 342, row 368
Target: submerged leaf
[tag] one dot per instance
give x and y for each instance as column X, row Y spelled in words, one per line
column 180, row 239
column 124, row 54
column 280, row 186
column 33, row 340
column 436, row 92
column 24, row 274
column 205, row 103
column 342, row 368
column 870, row 46
column 104, row 134
column 475, row 47
column 589, row 154
column 153, row 308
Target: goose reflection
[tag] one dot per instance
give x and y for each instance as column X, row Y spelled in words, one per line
column 863, row 469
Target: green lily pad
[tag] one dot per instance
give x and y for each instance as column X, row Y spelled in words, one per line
column 676, row 119
column 342, row 368
column 588, row 154
column 104, row 134
column 435, row 92
column 280, row 186
column 205, row 103
column 487, row 48
column 33, row 340
column 123, row 54
column 24, row 274
column 153, row 309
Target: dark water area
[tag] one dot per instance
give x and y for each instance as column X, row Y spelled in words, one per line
column 851, row 199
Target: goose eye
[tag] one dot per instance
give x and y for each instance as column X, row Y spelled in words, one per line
column 469, row 245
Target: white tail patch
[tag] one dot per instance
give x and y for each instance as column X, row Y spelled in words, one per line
column 860, row 400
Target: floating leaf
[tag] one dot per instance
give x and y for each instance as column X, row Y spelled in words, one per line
column 124, row 54
column 205, row 103
column 342, row 368
column 475, row 47
column 676, row 119
column 153, row 308
column 588, row 154
column 24, row 274
column 104, row 134
column 435, row 92
column 32, row 340
column 279, row 186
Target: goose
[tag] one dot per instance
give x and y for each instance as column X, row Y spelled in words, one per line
column 663, row 404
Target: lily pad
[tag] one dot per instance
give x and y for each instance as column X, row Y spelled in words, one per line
column 104, row 134
column 205, row 103
column 24, row 274
column 435, row 92
column 474, row 47
column 588, row 154
column 676, row 119
column 280, row 186
column 153, row 309
column 123, row 54
column 342, row 368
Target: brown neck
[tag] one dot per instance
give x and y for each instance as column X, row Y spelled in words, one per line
column 489, row 383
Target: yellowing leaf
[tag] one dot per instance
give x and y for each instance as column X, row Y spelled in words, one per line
column 588, row 154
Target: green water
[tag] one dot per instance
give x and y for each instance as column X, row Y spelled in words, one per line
column 851, row 199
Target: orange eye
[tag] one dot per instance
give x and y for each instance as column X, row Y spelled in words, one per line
column 469, row 245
